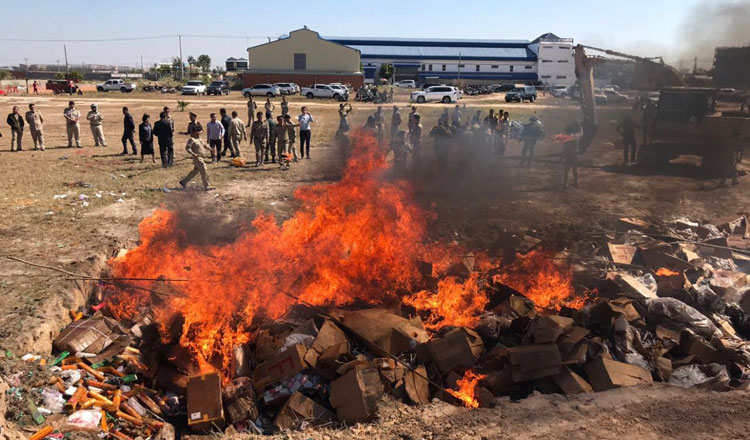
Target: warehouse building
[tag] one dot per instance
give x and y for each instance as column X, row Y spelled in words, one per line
column 302, row 57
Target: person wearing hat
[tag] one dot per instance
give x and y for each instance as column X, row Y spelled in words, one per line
column 95, row 119
column 395, row 123
column 532, row 132
column 72, row 126
column 197, row 150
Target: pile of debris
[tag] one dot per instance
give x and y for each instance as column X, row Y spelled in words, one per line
column 665, row 302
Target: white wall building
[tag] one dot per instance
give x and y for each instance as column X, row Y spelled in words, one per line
column 555, row 63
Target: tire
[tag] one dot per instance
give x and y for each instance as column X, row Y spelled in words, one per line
column 446, row 100
column 270, row 94
column 246, row 94
column 336, row 97
column 310, row 95
column 123, row 89
column 420, row 99
column 100, row 89
column 532, row 99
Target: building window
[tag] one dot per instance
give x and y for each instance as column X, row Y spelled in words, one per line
column 477, row 67
column 564, row 48
column 300, row 61
column 562, row 61
column 546, row 61
column 494, row 66
column 369, row 64
column 546, row 76
column 423, row 67
column 527, row 67
column 548, row 47
column 443, row 67
column 430, row 67
column 461, row 66
column 561, row 77
column 511, row 68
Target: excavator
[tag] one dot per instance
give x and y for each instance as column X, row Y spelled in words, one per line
column 686, row 119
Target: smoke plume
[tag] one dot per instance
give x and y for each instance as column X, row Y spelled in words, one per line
column 713, row 24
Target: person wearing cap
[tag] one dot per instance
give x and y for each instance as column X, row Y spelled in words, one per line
column 532, row 132
column 193, row 125
column 259, row 134
column 127, row 132
column 197, row 150
column 72, row 119
column 15, row 121
column 395, row 123
column 95, row 119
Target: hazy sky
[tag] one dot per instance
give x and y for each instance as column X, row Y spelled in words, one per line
column 643, row 27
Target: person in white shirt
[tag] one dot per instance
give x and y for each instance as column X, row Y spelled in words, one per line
column 214, row 135
column 304, row 131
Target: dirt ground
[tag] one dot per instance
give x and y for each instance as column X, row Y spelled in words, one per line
column 74, row 208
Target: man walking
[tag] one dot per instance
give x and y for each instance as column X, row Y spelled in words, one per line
column 163, row 131
column 259, row 134
column 282, row 137
column 291, row 129
column 626, row 129
column 72, row 119
column 15, row 121
column 305, row 119
column 95, row 119
column 271, row 145
column 395, row 123
column 226, row 122
column 193, row 125
column 237, row 134
column 128, row 130
column 214, row 135
column 532, row 132
column 36, row 121
column 197, row 151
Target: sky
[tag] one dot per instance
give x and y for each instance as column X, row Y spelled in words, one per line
column 640, row 27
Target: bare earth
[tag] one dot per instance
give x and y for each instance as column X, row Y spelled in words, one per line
column 475, row 205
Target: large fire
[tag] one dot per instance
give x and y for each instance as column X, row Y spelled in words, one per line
column 466, row 388
column 358, row 239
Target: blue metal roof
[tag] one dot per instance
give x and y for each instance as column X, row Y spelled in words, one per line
column 427, row 42
column 443, row 53
column 515, row 76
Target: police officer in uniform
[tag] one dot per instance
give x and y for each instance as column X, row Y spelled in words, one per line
column 72, row 126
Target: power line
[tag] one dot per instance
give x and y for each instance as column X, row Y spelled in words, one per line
column 90, row 40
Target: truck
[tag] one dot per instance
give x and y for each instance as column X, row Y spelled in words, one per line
column 219, row 87
column 114, row 85
column 323, row 91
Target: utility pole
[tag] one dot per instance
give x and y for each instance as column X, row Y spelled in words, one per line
column 182, row 64
column 695, row 66
column 459, row 67
column 65, row 48
column 142, row 71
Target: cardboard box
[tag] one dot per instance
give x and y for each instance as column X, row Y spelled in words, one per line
column 459, row 348
column 693, row 345
column 606, row 374
column 90, row 335
column 529, row 362
column 286, row 364
column 571, row 383
column 241, row 409
column 383, row 331
column 329, row 339
column 300, row 408
column 417, row 387
column 205, row 410
column 621, row 253
column 355, row 395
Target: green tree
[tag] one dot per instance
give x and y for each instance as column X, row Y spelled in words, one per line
column 4, row 74
column 386, row 71
column 75, row 75
column 164, row 70
column 191, row 61
column 59, row 75
column 204, row 62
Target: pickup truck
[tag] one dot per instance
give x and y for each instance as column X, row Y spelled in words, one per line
column 115, row 84
column 323, row 91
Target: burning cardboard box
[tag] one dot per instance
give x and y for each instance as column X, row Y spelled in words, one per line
column 205, row 410
column 285, row 364
column 299, row 408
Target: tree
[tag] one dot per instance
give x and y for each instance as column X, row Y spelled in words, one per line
column 191, row 61
column 164, row 70
column 4, row 74
column 204, row 62
column 386, row 71
column 75, row 75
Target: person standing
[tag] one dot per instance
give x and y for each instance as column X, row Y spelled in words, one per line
column 237, row 134
column 284, row 106
column 170, row 120
column 36, row 122
column 251, row 107
column 410, row 119
column 95, row 119
column 270, row 107
column 146, row 138
column 271, row 145
column 415, row 137
column 72, row 119
column 444, row 118
column 36, row 88
column 193, row 125
column 400, row 153
column 503, row 134
column 291, row 129
column 532, row 132
column 163, row 131
column 626, row 129
column 395, row 123
column 128, row 130
column 282, row 137
column 259, row 134
column 570, row 153
column 456, row 116
column 214, row 135
column 197, row 151
column 344, row 110
column 379, row 119
column 15, row 121
column 305, row 135
column 441, row 134
column 226, row 122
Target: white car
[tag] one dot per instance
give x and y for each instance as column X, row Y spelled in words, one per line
column 194, row 88
column 323, row 91
column 286, row 88
column 444, row 94
column 270, row 90
column 115, row 84
column 342, row 88
column 407, row 84
column 559, row 91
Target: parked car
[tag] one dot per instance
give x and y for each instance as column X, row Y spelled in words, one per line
column 194, row 88
column 269, row 90
column 600, row 98
column 559, row 91
column 501, row 88
column 218, row 88
column 115, row 84
column 407, row 84
column 323, row 91
column 296, row 87
column 614, row 97
column 286, row 88
column 444, row 94
column 342, row 88
column 521, row 94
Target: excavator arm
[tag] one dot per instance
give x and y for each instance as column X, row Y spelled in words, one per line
column 585, row 75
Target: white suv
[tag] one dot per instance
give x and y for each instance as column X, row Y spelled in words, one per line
column 194, row 88
column 406, row 84
column 444, row 94
column 269, row 90
column 286, row 88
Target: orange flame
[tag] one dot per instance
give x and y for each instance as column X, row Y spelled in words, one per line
column 454, row 304
column 539, row 279
column 664, row 272
column 466, row 388
column 356, row 239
